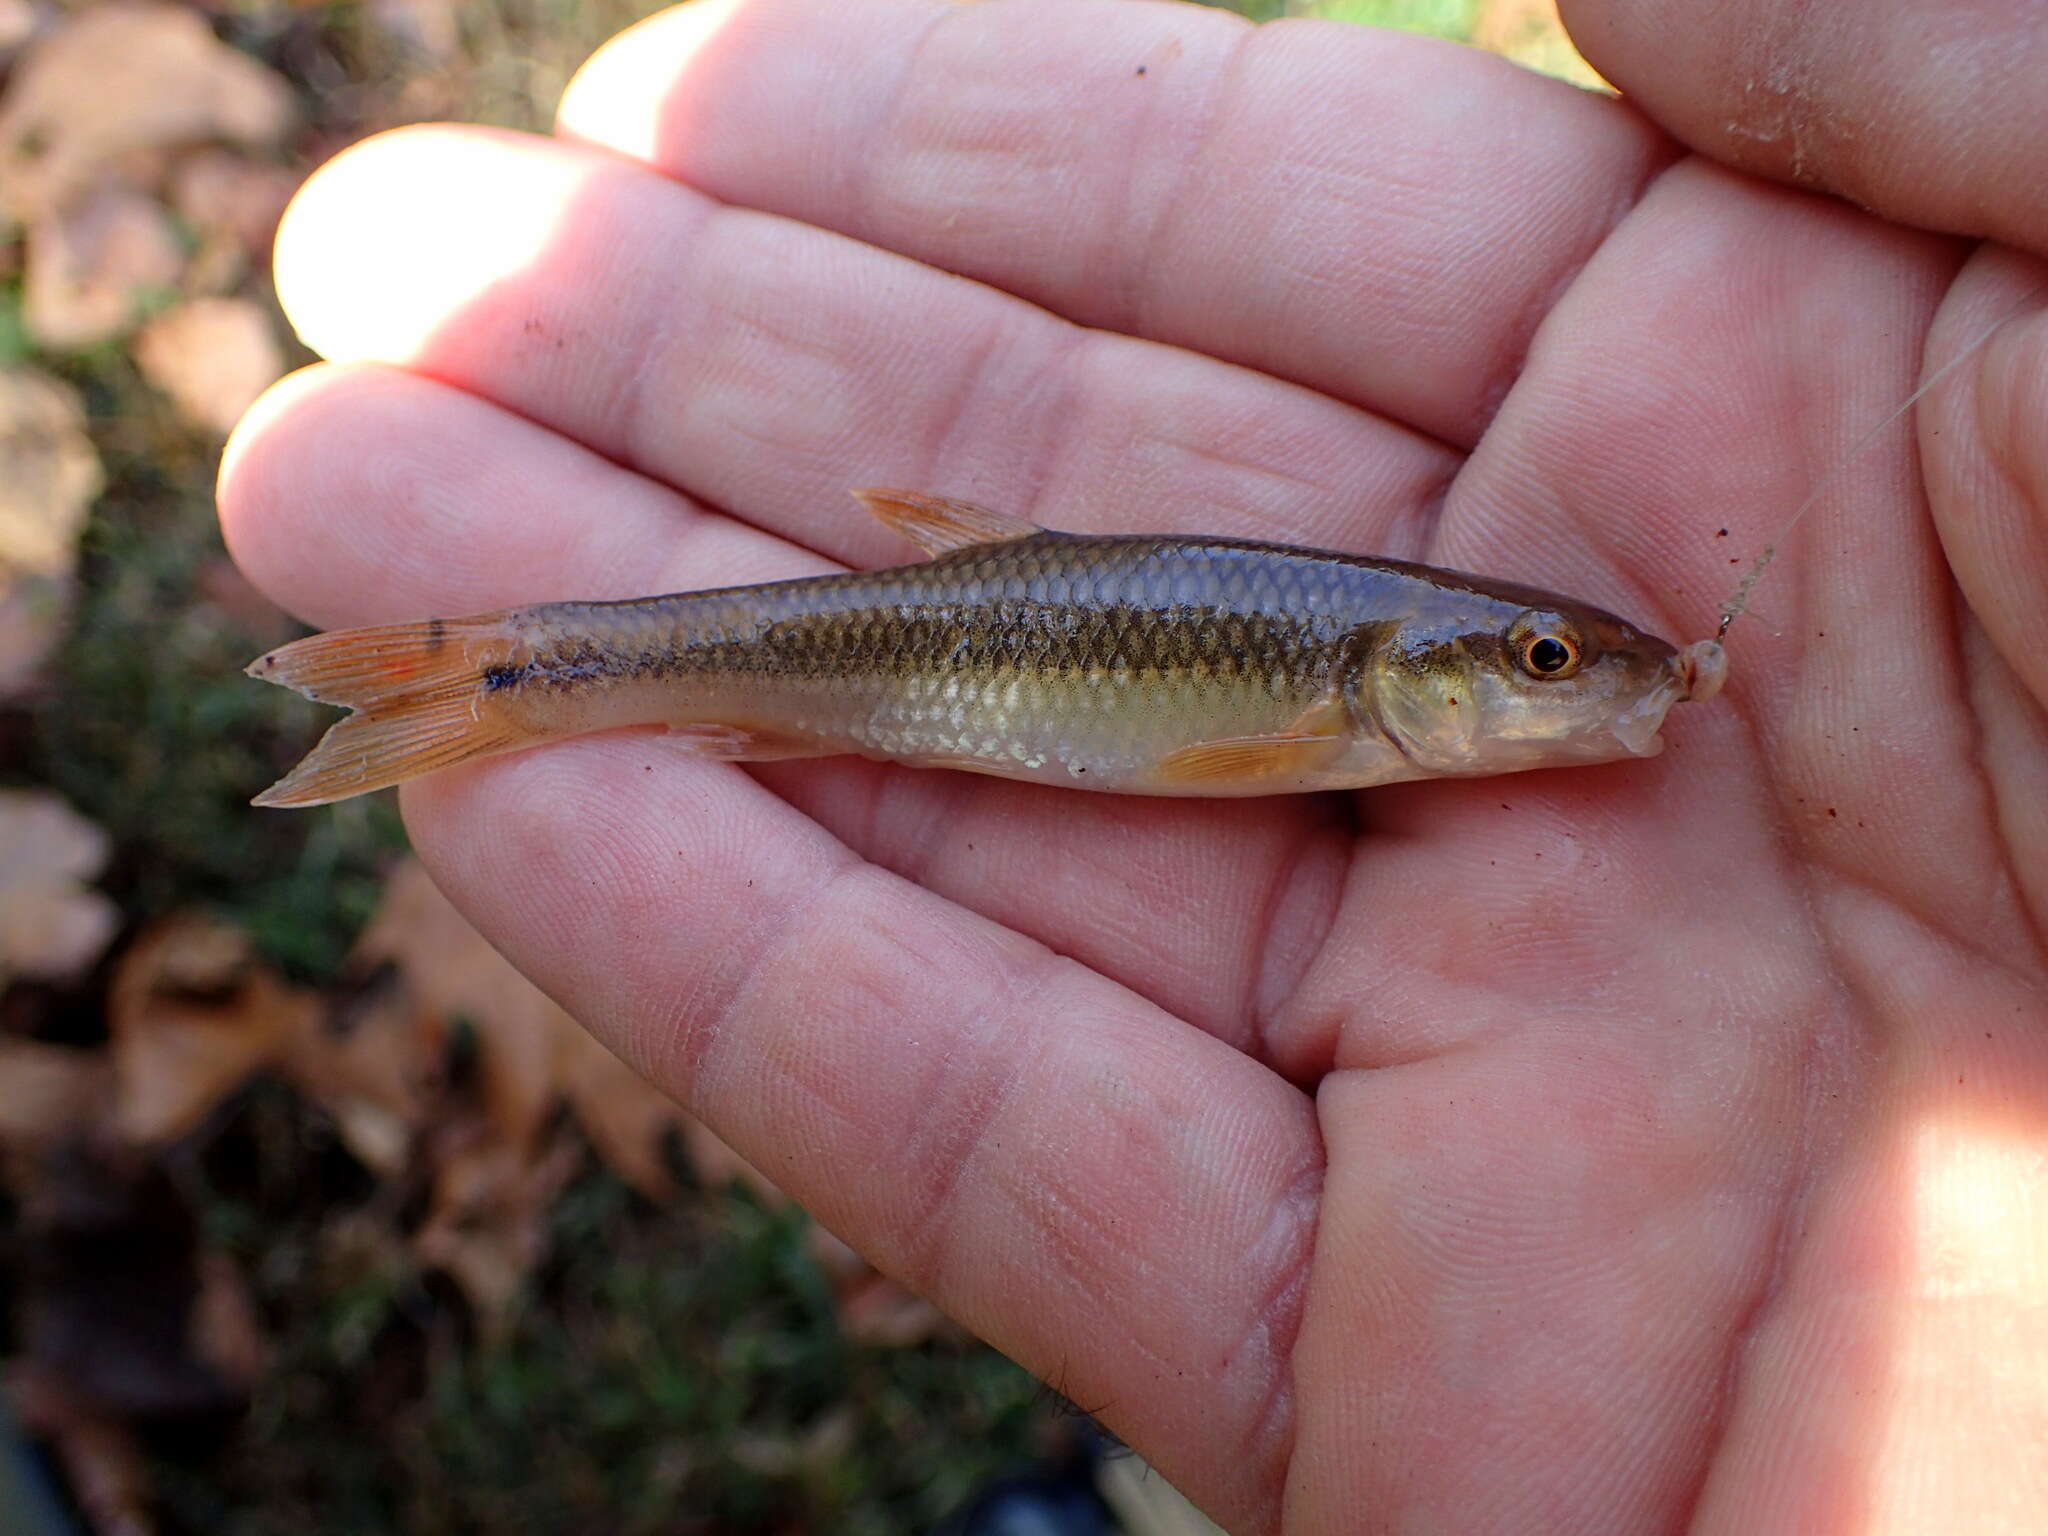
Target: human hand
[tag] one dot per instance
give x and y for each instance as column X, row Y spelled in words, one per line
column 1591, row 1150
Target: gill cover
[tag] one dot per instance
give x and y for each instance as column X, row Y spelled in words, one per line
column 1424, row 694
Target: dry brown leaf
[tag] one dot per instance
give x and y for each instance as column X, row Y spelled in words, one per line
column 487, row 1223
column 213, row 357
column 48, row 1092
column 115, row 80
column 432, row 28
column 193, row 1014
column 531, row 1055
column 496, row 1172
column 232, row 204
column 93, row 267
column 222, row 194
column 51, row 925
column 49, row 474
column 450, row 972
column 225, row 1335
column 370, row 1064
column 103, row 1465
column 494, row 1180
column 33, row 610
column 627, row 1118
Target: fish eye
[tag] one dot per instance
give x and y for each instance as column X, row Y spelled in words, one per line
column 1548, row 654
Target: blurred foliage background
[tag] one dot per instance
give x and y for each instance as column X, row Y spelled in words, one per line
column 313, row 1215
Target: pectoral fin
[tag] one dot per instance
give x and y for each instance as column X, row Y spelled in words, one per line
column 1310, row 743
column 937, row 524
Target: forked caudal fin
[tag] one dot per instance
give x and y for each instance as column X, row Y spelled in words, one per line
column 421, row 702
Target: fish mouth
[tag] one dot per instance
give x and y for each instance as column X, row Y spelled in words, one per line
column 1637, row 726
column 1702, row 668
column 1637, row 729
column 1697, row 673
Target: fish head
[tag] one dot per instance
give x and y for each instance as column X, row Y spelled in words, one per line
column 1507, row 685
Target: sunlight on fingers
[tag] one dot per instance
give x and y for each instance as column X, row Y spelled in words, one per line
column 353, row 293
column 1959, row 1448
column 617, row 98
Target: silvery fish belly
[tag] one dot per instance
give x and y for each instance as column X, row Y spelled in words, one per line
column 1136, row 664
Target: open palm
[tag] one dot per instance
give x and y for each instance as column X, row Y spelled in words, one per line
column 1536, row 1152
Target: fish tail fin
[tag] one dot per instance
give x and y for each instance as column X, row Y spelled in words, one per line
column 420, row 696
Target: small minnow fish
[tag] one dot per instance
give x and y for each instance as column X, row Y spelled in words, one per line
column 1137, row 664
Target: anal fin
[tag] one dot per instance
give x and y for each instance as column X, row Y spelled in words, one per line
column 728, row 743
column 938, row 524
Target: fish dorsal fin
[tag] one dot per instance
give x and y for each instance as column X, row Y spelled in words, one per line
column 938, row 524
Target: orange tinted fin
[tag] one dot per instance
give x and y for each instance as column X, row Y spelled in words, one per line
column 958, row 763
column 938, row 525
column 1306, row 745
column 420, row 702
column 745, row 743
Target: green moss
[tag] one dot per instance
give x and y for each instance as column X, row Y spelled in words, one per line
column 677, row 1370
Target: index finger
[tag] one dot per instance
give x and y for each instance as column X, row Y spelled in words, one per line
column 1384, row 218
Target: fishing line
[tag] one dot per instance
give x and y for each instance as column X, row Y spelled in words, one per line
column 1738, row 603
